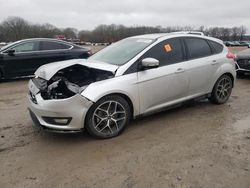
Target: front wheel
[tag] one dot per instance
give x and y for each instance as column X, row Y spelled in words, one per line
column 222, row 90
column 108, row 117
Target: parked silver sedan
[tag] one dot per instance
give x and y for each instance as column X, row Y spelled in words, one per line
column 135, row 76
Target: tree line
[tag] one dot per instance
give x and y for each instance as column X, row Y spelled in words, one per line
column 16, row 28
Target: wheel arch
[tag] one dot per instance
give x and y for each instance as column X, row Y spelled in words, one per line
column 231, row 76
column 214, row 98
column 219, row 74
column 129, row 101
column 88, row 122
column 124, row 96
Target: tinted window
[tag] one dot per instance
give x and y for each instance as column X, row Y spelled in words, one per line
column 197, row 48
column 167, row 52
column 26, row 47
column 217, row 48
column 48, row 45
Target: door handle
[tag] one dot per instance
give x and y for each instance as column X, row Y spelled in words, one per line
column 214, row 62
column 179, row 70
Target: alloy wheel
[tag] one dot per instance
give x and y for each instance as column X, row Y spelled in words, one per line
column 224, row 88
column 109, row 117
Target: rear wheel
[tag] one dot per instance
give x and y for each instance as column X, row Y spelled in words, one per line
column 108, row 117
column 222, row 90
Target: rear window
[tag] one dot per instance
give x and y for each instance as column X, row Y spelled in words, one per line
column 49, row 45
column 217, row 48
column 197, row 48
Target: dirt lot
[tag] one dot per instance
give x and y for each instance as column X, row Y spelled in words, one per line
column 196, row 145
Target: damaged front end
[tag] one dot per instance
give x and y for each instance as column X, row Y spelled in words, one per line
column 70, row 81
column 55, row 98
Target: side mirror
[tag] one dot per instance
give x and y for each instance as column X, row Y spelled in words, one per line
column 10, row 51
column 150, row 63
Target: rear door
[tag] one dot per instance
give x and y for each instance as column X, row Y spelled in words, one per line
column 52, row 51
column 160, row 86
column 201, row 65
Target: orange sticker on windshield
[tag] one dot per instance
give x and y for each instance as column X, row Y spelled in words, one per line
column 168, row 48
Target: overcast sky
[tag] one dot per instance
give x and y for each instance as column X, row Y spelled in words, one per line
column 83, row 14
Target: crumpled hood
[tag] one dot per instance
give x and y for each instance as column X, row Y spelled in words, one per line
column 49, row 70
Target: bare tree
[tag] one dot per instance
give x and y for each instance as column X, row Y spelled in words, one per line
column 242, row 32
column 70, row 33
column 15, row 28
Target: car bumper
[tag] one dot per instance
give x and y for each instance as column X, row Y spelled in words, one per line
column 62, row 115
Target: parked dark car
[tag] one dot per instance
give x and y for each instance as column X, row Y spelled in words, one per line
column 23, row 57
column 237, row 43
column 228, row 43
column 243, row 62
column 245, row 43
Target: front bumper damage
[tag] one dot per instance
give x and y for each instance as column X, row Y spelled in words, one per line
column 58, row 115
column 55, row 101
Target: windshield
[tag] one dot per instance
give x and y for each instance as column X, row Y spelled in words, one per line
column 121, row 52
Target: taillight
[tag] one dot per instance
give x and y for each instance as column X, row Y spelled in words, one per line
column 230, row 55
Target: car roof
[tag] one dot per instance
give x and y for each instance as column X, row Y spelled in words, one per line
column 156, row 36
column 152, row 36
column 35, row 39
column 48, row 39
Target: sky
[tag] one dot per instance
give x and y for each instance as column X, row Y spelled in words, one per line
column 87, row 14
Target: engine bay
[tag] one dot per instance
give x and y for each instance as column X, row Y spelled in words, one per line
column 69, row 81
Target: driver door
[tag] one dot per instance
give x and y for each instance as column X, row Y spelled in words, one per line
column 165, row 85
column 23, row 60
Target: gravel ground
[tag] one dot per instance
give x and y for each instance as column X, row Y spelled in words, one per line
column 197, row 145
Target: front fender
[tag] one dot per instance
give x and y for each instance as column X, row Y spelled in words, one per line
column 125, row 85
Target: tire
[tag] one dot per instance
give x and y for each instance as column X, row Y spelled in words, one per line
column 108, row 117
column 222, row 90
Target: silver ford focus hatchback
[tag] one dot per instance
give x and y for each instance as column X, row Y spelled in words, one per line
column 135, row 76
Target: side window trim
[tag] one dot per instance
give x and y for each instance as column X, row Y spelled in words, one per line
column 184, row 48
column 211, row 47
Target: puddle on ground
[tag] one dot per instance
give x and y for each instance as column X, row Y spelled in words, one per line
column 242, row 125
